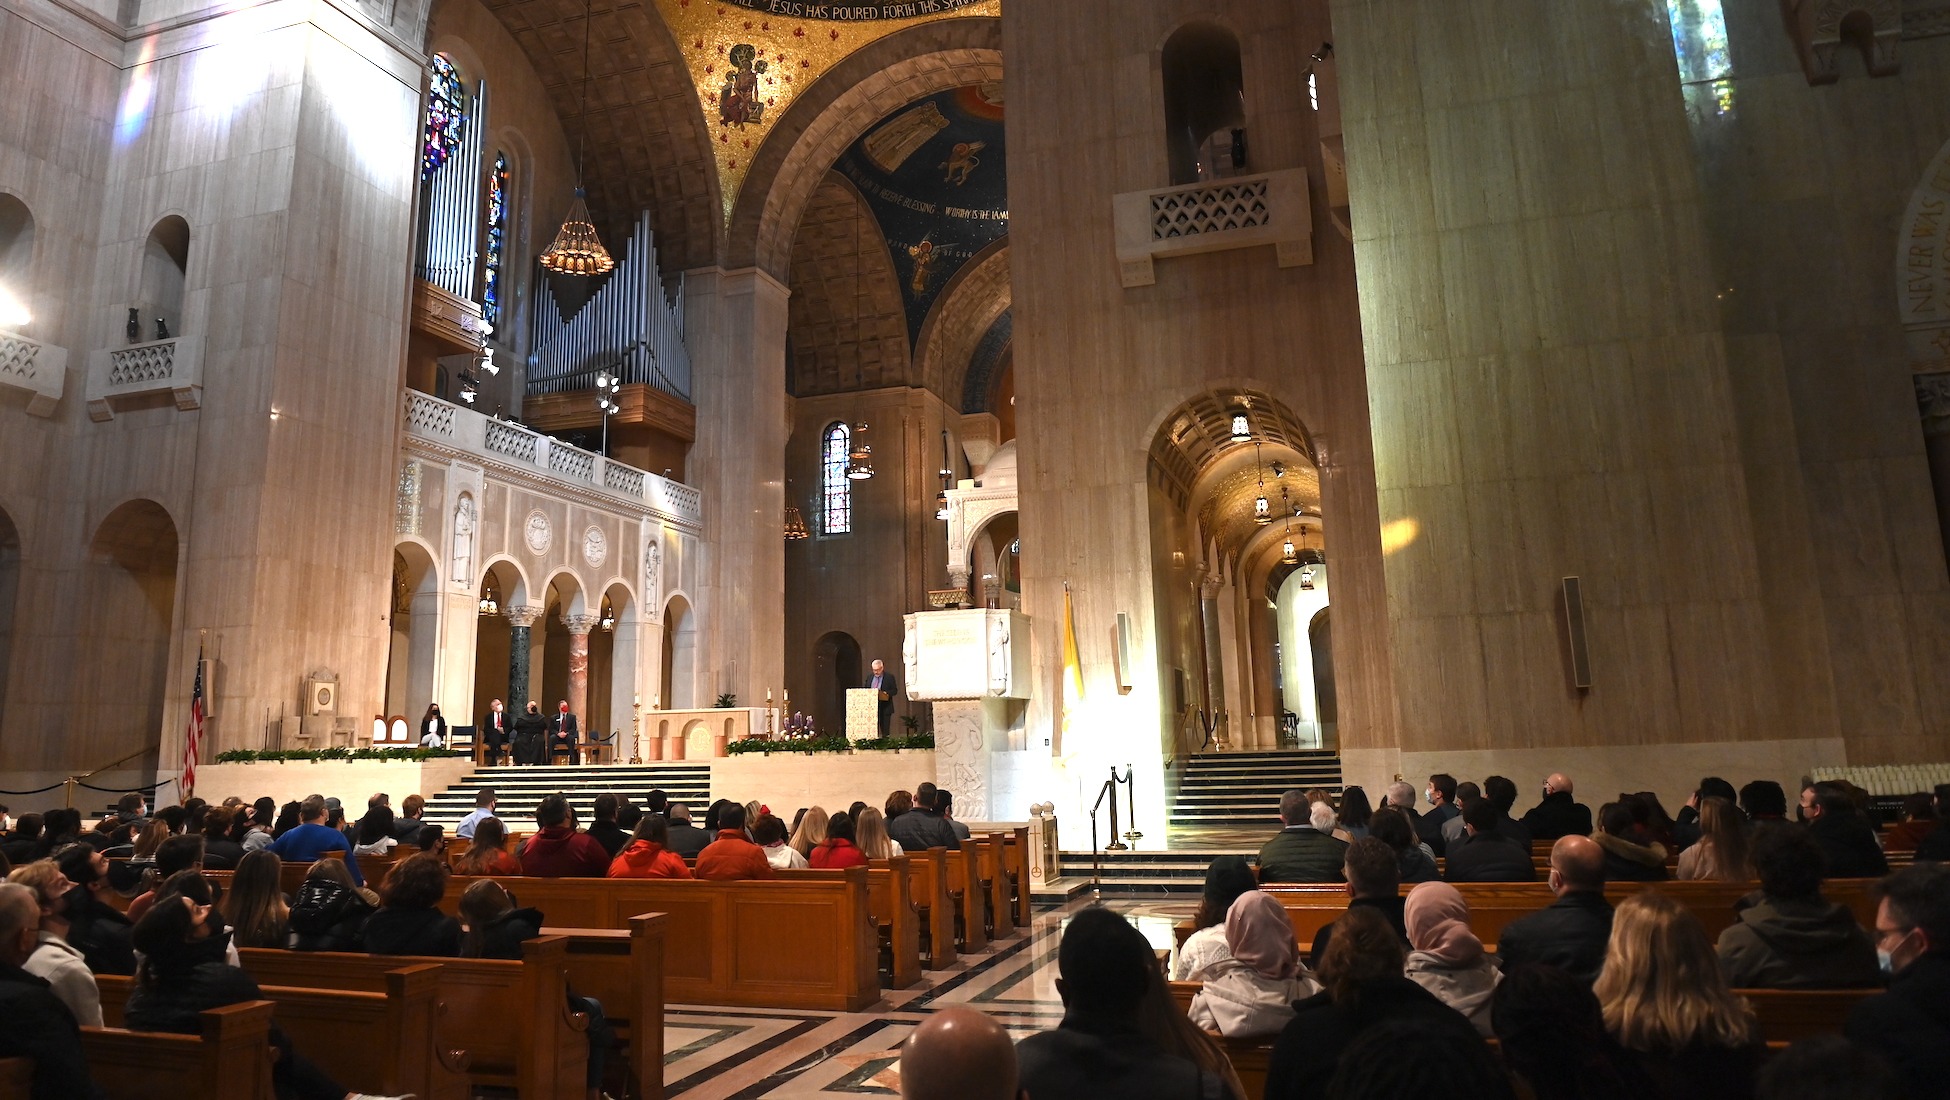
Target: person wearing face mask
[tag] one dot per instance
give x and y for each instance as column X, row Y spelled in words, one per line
column 1910, row 1025
column 433, row 728
column 530, row 730
column 496, row 726
column 1441, row 795
column 562, row 733
column 54, row 959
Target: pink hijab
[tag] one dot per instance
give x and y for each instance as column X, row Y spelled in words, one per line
column 1438, row 924
column 1260, row 935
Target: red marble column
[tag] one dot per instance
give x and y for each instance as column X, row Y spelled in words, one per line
column 579, row 627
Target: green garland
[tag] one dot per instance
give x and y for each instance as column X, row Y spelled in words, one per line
column 830, row 742
column 313, row 756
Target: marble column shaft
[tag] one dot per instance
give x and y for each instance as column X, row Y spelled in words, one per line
column 521, row 619
column 579, row 627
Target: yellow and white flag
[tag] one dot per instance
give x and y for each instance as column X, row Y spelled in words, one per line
column 1072, row 701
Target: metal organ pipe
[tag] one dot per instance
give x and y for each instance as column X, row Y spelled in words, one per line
column 628, row 327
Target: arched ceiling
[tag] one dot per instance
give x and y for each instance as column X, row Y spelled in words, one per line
column 1225, row 495
column 848, row 330
column 1199, row 432
column 961, row 319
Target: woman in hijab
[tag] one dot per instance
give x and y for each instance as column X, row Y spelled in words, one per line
column 1252, row 992
column 1448, row 960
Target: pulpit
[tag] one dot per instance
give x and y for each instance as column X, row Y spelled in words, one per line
column 862, row 714
column 973, row 665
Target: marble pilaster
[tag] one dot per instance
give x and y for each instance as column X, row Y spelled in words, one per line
column 520, row 620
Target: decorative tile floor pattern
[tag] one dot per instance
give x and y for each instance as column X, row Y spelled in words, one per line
column 745, row 1054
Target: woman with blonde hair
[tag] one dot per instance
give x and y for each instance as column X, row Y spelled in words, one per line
column 254, row 906
column 1721, row 853
column 1667, row 1003
column 811, row 830
column 870, row 833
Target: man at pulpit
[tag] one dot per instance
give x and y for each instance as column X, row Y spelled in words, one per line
column 884, row 686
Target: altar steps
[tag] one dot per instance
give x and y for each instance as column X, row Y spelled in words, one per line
column 520, row 789
column 1244, row 788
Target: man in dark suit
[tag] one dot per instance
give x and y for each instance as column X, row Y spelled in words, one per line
column 1485, row 855
column 883, row 682
column 1572, row 931
column 562, row 734
column 495, row 728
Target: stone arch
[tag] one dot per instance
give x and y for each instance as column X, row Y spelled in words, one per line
column 836, row 667
column 17, row 238
column 824, row 119
column 1202, row 83
column 614, row 646
column 976, row 295
column 678, row 681
column 493, row 634
column 128, row 629
column 164, row 274
column 413, row 652
column 848, row 326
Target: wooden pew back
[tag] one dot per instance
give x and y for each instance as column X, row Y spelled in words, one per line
column 928, row 889
column 895, row 913
column 231, row 1058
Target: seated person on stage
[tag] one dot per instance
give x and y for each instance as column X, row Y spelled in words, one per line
column 961, row 1054
column 329, row 913
column 686, row 839
column 1448, row 960
column 1253, row 992
column 1225, row 879
column 497, row 730
column 1910, row 1025
column 313, row 838
column 33, row 1022
column 1630, row 854
column 488, row 853
column 1413, row 860
column 923, row 827
column 558, row 850
column 1794, row 938
column 1558, row 814
column 496, row 929
column 1373, row 882
column 1304, row 851
column 768, row 832
column 1570, row 933
column 54, row 960
column 648, row 855
column 838, row 849
column 1485, row 855
column 433, row 728
column 531, row 727
column 605, row 829
column 732, row 855
column 410, row 922
column 562, row 734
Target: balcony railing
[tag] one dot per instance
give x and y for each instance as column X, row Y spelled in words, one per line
column 40, row 369
column 173, row 367
column 1242, row 212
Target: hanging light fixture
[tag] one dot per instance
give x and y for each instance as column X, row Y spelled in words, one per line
column 795, row 524
column 577, row 250
column 1242, row 425
column 489, row 605
column 941, row 498
column 859, row 460
column 1287, row 553
column 1262, row 508
column 607, row 621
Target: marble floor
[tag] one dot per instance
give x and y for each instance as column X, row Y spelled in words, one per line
column 715, row 1053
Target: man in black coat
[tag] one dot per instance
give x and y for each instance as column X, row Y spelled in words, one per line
column 1910, row 1025
column 1441, row 794
column 1306, row 850
column 33, row 1021
column 1935, row 845
column 1557, row 815
column 685, row 839
column 923, row 827
column 885, row 688
column 1571, row 933
column 1374, row 881
column 1846, row 837
column 1485, row 855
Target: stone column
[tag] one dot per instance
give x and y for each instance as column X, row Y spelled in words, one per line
column 1215, row 683
column 579, row 628
column 521, row 619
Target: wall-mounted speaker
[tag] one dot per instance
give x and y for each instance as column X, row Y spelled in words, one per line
column 1576, row 647
column 1120, row 649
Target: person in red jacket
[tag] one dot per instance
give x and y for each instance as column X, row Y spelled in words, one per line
column 646, row 856
column 733, row 855
column 838, row 849
column 558, row 851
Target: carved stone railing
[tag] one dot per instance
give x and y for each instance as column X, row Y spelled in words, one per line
column 173, row 367
column 40, row 369
column 1243, row 212
column 441, row 426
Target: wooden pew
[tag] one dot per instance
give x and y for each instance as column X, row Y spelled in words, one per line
column 230, row 1059
column 927, row 887
column 1791, row 1015
column 625, row 971
column 1016, row 858
column 971, row 905
column 808, row 941
column 995, row 879
column 16, row 1079
column 895, row 913
column 379, row 1043
column 507, row 1024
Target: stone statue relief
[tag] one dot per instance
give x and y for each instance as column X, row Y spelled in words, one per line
column 999, row 655
column 653, row 562
column 464, row 526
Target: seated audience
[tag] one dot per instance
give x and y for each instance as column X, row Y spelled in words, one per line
column 329, row 913
column 733, row 855
column 1502, row 793
column 605, row 830
column 838, row 849
column 1558, row 814
column 1485, row 855
column 1362, row 987
column 1915, row 820
column 175, row 855
column 375, row 835
column 1399, row 1057
column 95, row 927
column 484, row 803
column 768, row 832
column 54, row 960
column 1448, row 960
column 1571, row 933
column 1452, row 829
column 1686, row 827
column 406, row 827
column 808, row 830
column 898, row 803
column 313, row 838
column 1356, row 812
column 1413, row 861
column 1629, row 855
column 1764, row 802
column 923, row 827
column 686, row 840
column 1373, row 882
column 944, row 804
column 488, row 853
column 1252, row 993
column 1667, row 1004
column 1108, row 1043
column 1719, row 850
column 34, row 1023
column 558, row 850
column 1793, row 938
column 958, row 1054
column 1225, row 879
column 1651, row 817
column 409, row 922
column 220, row 851
column 1553, row 1038
column 20, row 844
column 1441, row 796
column 254, row 906
column 870, row 833
column 1305, row 850
column 1909, row 1026
column 648, row 854
column 1846, row 837
column 429, row 838
column 1828, row 1065
column 1934, row 847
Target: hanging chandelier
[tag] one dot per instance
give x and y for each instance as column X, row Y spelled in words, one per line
column 1242, row 425
column 1262, row 508
column 577, row 250
column 795, row 525
column 489, row 605
column 859, row 460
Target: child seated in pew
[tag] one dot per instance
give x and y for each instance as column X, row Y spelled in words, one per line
column 410, row 922
column 1252, row 993
column 768, row 833
column 496, row 928
column 488, row 856
column 184, row 973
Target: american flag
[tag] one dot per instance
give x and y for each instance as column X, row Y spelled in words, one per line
column 196, row 731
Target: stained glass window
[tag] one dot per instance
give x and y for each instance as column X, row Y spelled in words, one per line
column 836, row 500
column 497, row 236
column 446, row 116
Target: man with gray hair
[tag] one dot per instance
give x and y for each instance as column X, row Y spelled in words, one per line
column 1306, row 850
column 1401, row 798
column 33, row 1022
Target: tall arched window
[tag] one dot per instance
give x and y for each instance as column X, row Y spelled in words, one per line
column 450, row 174
column 835, row 491
column 497, row 239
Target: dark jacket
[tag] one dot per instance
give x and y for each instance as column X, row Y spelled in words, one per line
column 35, row 1024
column 1429, row 826
column 917, row 830
column 1085, row 1056
column 1308, row 1052
column 610, row 835
column 221, row 855
column 1416, row 866
column 1935, row 845
column 1300, row 853
column 688, row 840
column 1569, row 933
column 1910, row 1025
column 1393, row 908
column 1488, row 857
column 1626, row 861
column 1699, row 1072
column 412, row 932
column 328, row 916
column 1798, row 943
column 1850, row 845
column 102, row 935
column 503, row 936
column 1557, row 815
column 189, row 981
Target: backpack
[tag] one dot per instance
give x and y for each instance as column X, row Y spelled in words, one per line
column 321, row 904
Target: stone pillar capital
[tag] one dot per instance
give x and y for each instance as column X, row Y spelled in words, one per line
column 1209, row 585
column 523, row 616
column 580, row 624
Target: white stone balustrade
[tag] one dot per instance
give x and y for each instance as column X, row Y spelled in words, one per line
column 173, row 367
column 40, row 369
column 1213, row 216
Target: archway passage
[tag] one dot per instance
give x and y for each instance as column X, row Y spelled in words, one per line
column 414, row 649
column 836, row 667
column 9, row 593
column 679, row 673
column 124, row 656
column 501, row 588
